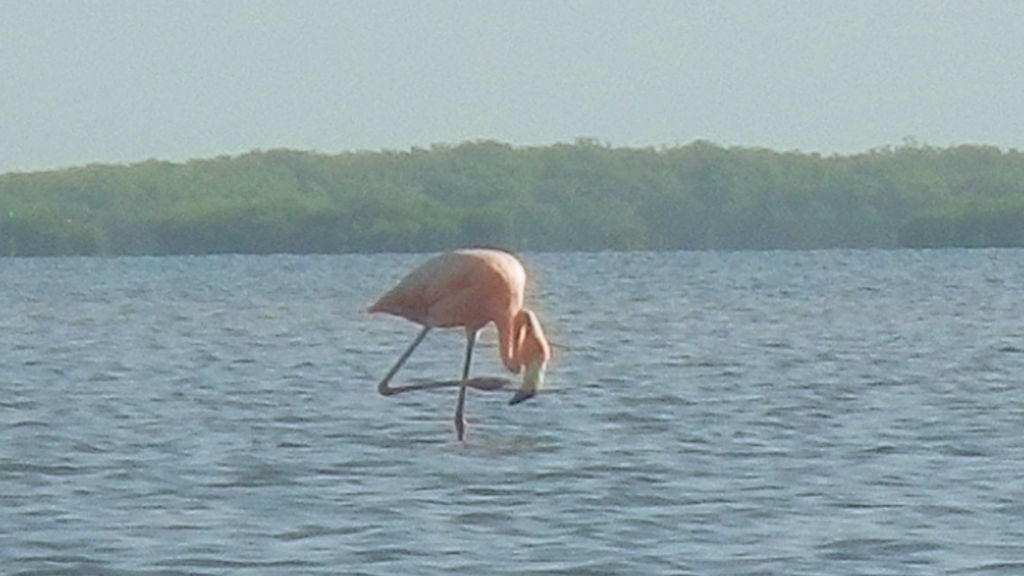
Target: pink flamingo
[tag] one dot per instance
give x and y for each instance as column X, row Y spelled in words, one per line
column 471, row 288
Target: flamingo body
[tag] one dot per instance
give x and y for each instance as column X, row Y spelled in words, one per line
column 467, row 288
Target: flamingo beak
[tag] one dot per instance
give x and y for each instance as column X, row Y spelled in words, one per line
column 533, row 380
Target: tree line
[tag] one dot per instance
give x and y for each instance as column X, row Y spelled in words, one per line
column 583, row 195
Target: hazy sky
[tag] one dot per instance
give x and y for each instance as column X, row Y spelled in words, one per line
column 85, row 81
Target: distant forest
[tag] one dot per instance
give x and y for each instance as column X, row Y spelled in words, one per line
column 580, row 196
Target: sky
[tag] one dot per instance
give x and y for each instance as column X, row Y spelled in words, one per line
column 123, row 81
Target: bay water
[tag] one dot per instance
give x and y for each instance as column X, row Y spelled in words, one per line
column 834, row 412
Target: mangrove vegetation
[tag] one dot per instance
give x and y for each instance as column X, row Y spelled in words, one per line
column 579, row 196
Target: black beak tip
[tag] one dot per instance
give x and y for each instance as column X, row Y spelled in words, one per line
column 519, row 397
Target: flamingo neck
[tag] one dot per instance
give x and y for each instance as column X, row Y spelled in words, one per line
column 508, row 342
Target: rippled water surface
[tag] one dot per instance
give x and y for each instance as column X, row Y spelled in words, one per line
column 746, row 413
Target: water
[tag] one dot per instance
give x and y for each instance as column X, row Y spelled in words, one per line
column 746, row 413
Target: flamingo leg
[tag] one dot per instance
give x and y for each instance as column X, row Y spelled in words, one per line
column 460, row 421
column 385, row 388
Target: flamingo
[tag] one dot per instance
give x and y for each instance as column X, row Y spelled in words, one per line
column 470, row 289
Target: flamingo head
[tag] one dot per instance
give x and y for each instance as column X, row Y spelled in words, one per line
column 532, row 353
